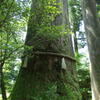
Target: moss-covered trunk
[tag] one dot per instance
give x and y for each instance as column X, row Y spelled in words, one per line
column 42, row 76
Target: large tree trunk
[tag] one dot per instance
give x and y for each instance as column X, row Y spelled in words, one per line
column 43, row 77
column 92, row 27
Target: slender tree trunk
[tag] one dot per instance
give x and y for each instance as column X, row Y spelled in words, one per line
column 43, row 76
column 2, row 83
column 92, row 27
column 75, row 42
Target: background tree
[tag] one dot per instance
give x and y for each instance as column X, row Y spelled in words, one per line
column 92, row 26
column 80, row 44
column 75, row 18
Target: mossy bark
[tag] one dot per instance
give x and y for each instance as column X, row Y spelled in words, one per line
column 43, row 78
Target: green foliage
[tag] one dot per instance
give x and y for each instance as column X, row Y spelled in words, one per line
column 13, row 21
column 9, row 45
column 44, row 14
column 75, row 14
column 84, row 76
column 11, row 13
column 98, row 10
column 11, row 48
column 52, row 32
column 50, row 93
column 11, row 69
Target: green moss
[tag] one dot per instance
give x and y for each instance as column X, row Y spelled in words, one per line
column 40, row 82
column 40, row 90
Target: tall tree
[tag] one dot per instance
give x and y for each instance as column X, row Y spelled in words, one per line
column 45, row 73
column 92, row 27
column 75, row 20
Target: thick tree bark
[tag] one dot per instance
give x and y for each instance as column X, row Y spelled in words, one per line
column 43, row 77
column 2, row 83
column 92, row 27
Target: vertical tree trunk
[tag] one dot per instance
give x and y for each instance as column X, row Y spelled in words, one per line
column 42, row 77
column 2, row 83
column 75, row 43
column 92, row 27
